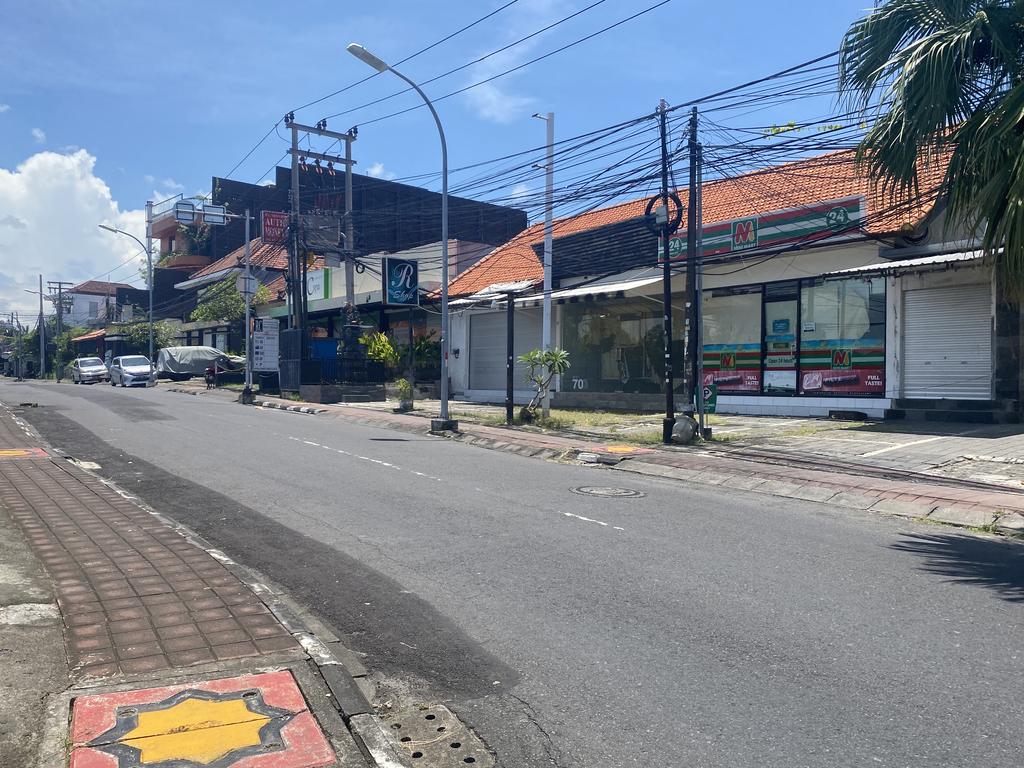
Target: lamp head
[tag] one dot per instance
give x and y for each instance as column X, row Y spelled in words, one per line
column 366, row 57
column 106, row 227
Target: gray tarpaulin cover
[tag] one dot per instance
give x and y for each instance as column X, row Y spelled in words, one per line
column 194, row 360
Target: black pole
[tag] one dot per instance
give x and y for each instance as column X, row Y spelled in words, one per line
column 412, row 373
column 666, row 286
column 510, row 356
column 691, row 273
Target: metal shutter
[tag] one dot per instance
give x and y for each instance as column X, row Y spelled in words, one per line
column 947, row 342
column 487, row 348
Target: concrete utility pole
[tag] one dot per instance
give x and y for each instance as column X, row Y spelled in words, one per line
column 692, row 225
column 247, row 392
column 669, row 422
column 297, row 266
column 59, row 286
column 549, row 192
column 42, row 333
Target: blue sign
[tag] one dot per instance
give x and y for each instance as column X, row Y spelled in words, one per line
column 780, row 326
column 401, row 282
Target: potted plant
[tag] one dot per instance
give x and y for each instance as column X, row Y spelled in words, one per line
column 404, row 390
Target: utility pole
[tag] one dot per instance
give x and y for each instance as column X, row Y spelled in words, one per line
column 17, row 329
column 149, row 261
column 297, row 266
column 510, row 359
column 42, row 333
column 59, row 286
column 705, row 431
column 549, row 190
column 669, row 422
column 692, row 225
column 247, row 392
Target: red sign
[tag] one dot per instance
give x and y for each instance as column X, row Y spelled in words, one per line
column 275, row 226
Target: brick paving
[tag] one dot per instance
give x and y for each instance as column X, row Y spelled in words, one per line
column 135, row 595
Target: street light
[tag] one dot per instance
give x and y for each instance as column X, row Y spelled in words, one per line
column 445, row 422
column 149, row 265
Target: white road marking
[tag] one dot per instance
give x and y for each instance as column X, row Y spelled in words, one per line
column 902, row 445
column 591, row 520
column 379, row 462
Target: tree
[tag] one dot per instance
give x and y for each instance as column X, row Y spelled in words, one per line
column 137, row 336
column 948, row 80
column 543, row 366
column 222, row 302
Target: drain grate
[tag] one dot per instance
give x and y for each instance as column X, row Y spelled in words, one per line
column 608, row 492
column 433, row 737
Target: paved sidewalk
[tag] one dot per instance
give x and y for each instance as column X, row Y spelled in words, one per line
column 157, row 630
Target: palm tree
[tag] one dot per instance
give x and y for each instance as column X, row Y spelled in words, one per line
column 947, row 80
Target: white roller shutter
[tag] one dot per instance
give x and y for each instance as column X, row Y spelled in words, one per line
column 487, row 341
column 947, row 342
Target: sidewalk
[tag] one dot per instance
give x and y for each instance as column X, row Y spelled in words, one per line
column 175, row 654
column 901, row 473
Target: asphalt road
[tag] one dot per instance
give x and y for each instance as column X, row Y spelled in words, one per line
column 689, row 627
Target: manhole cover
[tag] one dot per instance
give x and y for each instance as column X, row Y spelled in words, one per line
column 607, row 491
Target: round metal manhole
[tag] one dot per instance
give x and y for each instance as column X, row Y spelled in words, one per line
column 608, row 492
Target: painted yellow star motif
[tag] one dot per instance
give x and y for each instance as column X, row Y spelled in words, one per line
column 197, row 730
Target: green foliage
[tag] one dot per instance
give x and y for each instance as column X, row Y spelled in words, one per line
column 543, row 366
column 950, row 82
column 137, row 336
column 222, row 302
column 404, row 389
column 379, row 348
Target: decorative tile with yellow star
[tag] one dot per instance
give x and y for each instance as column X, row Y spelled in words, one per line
column 253, row 721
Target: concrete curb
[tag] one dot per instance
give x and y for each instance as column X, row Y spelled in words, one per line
column 992, row 520
column 284, row 407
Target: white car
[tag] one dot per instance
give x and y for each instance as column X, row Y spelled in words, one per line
column 87, row 370
column 132, row 371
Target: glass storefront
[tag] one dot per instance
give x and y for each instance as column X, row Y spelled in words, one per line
column 617, row 345
column 842, row 336
column 812, row 337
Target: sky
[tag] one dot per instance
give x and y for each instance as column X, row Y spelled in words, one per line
column 105, row 104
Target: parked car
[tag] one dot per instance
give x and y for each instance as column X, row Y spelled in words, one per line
column 131, row 371
column 87, row 370
column 180, row 363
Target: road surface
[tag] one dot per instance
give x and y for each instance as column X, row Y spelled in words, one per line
column 692, row 626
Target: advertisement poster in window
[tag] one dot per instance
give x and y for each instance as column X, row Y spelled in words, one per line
column 842, row 366
column 733, row 367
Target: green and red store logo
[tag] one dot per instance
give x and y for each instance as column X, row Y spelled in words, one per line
column 834, row 219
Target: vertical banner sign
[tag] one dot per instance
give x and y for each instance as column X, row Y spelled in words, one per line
column 265, row 344
column 275, row 227
column 401, row 282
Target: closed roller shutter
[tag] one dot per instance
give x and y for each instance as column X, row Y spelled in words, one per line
column 487, row 340
column 947, row 342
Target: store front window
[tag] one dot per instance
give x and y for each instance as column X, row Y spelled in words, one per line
column 781, row 308
column 617, row 345
column 732, row 339
column 842, row 336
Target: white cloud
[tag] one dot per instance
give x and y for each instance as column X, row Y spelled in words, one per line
column 5, row 108
column 52, row 204
column 378, row 171
column 39, row 135
column 520, row 190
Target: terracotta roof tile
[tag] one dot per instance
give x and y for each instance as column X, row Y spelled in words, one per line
column 99, row 288
column 792, row 185
column 264, row 256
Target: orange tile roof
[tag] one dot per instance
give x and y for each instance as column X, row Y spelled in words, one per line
column 99, row 288
column 792, row 185
column 277, row 285
column 264, row 256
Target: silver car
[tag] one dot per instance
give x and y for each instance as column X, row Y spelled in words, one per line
column 87, row 370
column 132, row 371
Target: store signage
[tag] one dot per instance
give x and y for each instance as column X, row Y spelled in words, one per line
column 275, row 227
column 837, row 366
column 318, row 284
column 401, row 282
column 833, row 219
column 265, row 344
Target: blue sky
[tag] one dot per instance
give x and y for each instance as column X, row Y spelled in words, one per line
column 107, row 103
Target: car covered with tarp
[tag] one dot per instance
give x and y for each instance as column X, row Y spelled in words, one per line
column 180, row 363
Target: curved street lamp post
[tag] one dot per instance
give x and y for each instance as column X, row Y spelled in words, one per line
column 444, row 422
column 148, row 248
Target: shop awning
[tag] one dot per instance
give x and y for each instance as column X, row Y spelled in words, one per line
column 923, row 264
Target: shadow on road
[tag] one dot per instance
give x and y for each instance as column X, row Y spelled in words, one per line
column 998, row 565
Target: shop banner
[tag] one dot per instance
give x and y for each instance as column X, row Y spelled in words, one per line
column 733, row 367
column 842, row 366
